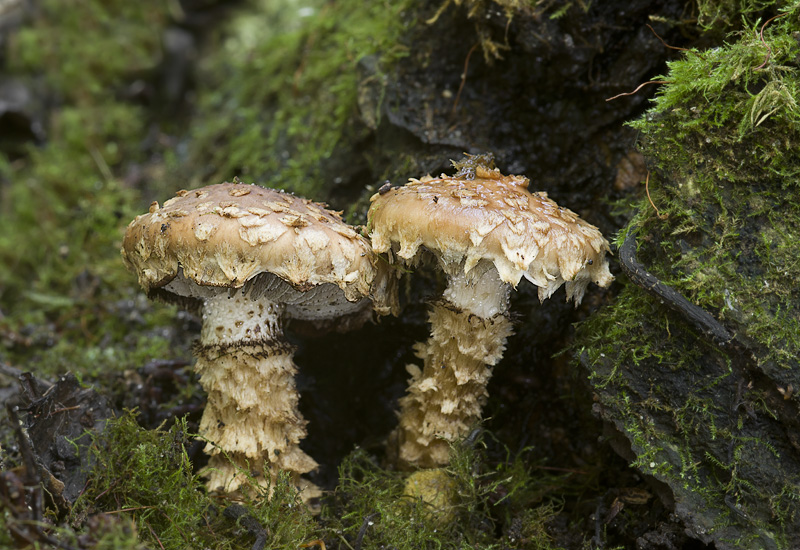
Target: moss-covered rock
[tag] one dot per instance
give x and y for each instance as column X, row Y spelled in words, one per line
column 716, row 422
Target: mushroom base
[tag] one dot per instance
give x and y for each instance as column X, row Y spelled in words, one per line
column 446, row 397
column 252, row 413
column 234, row 470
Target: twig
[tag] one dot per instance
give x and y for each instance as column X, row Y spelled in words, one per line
column 158, row 540
column 639, row 87
column 673, row 47
column 761, row 36
column 107, row 489
column 240, row 514
column 463, row 78
column 8, row 370
column 647, row 190
column 361, row 532
column 639, row 276
column 132, row 509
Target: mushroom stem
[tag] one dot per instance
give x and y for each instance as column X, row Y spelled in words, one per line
column 246, row 367
column 469, row 329
column 479, row 292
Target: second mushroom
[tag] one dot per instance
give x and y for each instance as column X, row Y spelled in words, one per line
column 486, row 231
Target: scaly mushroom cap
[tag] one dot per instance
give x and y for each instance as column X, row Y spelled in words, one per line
column 224, row 235
column 486, row 215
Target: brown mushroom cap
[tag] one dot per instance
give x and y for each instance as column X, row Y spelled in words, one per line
column 487, row 215
column 225, row 235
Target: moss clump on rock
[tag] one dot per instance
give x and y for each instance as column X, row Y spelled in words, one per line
column 716, row 422
column 282, row 107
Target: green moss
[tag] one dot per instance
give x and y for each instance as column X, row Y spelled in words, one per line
column 64, row 204
column 280, row 105
column 721, row 143
column 5, row 534
column 88, row 52
column 370, row 506
column 142, row 492
column 724, row 14
column 74, row 212
column 147, row 476
column 734, row 209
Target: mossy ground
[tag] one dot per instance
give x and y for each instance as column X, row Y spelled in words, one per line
column 143, row 493
column 66, row 301
column 721, row 143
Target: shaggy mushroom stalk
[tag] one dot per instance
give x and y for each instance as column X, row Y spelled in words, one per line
column 486, row 231
column 469, row 329
column 249, row 258
column 247, row 369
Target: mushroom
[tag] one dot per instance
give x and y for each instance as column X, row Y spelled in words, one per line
column 486, row 231
column 251, row 257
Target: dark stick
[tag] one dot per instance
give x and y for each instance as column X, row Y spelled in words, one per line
column 363, row 530
column 639, row 276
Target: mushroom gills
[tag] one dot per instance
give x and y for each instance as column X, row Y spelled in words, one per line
column 323, row 301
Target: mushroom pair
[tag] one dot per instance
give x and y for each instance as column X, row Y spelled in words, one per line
column 486, row 232
column 250, row 257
